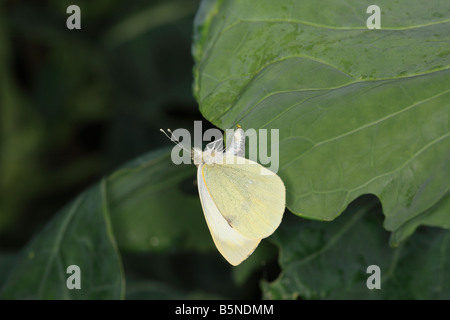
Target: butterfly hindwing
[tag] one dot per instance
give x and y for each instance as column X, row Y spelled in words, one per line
column 250, row 197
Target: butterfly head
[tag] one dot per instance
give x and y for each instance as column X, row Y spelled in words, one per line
column 213, row 152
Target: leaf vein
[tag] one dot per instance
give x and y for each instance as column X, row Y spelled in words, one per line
column 365, row 126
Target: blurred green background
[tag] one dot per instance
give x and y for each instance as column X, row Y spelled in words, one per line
column 76, row 104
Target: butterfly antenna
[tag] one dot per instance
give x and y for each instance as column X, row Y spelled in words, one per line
column 174, row 139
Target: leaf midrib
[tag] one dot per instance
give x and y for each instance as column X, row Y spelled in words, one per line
column 58, row 241
column 317, row 25
column 255, row 74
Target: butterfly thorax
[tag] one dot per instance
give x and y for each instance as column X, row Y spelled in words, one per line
column 209, row 156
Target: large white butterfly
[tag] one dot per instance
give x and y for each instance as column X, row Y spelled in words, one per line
column 243, row 202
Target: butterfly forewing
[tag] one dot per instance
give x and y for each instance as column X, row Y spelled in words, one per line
column 230, row 243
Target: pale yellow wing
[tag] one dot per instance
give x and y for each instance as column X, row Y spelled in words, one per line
column 232, row 245
column 250, row 197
